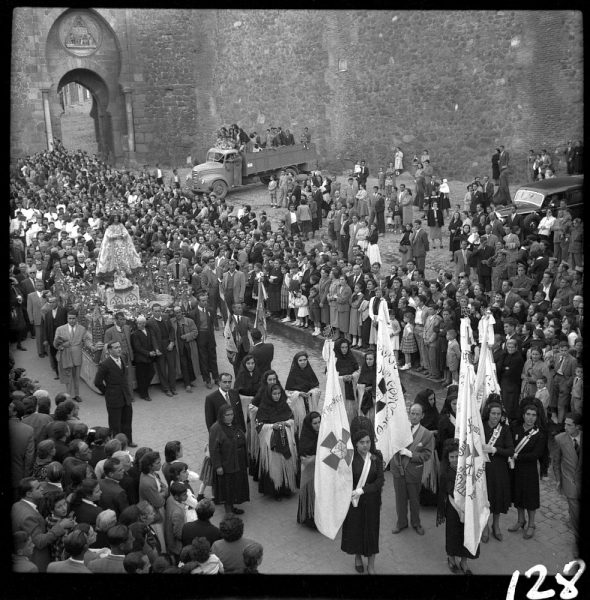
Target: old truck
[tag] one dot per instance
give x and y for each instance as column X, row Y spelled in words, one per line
column 227, row 169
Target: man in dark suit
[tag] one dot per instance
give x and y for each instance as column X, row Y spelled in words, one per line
column 363, row 174
column 144, row 353
column 111, row 380
column 461, row 258
column 73, row 269
column 210, row 284
column 514, row 219
column 242, row 328
column 202, row 527
column 224, row 395
column 26, row 517
column 54, row 316
column 420, row 246
column 205, row 321
column 113, row 495
column 177, row 268
column 407, row 467
column 27, row 286
column 262, row 352
column 163, row 338
column 567, row 466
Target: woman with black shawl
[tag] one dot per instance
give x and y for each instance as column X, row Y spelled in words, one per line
column 308, row 441
column 248, row 378
column 269, row 379
column 229, row 459
column 367, row 387
column 447, row 421
column 303, row 389
column 427, row 400
column 348, row 372
column 278, row 453
column 448, row 511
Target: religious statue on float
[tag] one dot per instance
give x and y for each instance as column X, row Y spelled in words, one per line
column 117, row 252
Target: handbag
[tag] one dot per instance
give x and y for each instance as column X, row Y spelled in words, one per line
column 403, row 249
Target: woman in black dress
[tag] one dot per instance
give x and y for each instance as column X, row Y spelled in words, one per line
column 455, row 230
column 303, row 388
column 360, row 530
column 429, row 489
column 269, row 378
column 447, row 421
column 447, row 511
column 529, row 442
column 308, row 442
column 368, row 381
column 500, row 448
column 496, row 166
column 229, row 459
column 278, row 453
column 348, row 372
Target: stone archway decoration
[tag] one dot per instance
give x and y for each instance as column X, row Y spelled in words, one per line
column 80, row 34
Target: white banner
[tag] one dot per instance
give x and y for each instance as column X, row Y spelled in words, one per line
column 470, row 494
column 486, row 381
column 392, row 425
column 333, row 468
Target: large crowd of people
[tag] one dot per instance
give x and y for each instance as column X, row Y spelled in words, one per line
column 83, row 503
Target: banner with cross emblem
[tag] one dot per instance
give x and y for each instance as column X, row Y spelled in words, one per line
column 333, row 471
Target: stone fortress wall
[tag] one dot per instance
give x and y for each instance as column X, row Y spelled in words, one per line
column 455, row 82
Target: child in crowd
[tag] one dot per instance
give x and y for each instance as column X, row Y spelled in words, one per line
column 396, row 329
column 578, row 390
column 389, row 182
column 542, row 392
column 389, row 214
column 300, row 303
column 453, row 357
column 272, row 190
column 445, row 201
column 409, row 345
column 313, row 302
column 355, row 318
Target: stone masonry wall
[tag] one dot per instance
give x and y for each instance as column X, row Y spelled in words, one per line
column 458, row 83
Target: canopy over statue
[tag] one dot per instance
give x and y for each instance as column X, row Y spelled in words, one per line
column 117, row 252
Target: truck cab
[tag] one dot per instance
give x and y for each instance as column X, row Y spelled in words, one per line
column 228, row 168
column 221, row 171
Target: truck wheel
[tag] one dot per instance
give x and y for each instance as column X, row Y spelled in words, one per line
column 219, row 187
column 265, row 179
column 293, row 170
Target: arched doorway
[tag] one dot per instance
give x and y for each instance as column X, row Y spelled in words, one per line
column 74, row 130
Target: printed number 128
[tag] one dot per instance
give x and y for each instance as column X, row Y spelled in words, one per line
column 568, row 592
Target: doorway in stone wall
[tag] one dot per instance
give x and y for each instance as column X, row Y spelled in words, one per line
column 84, row 119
